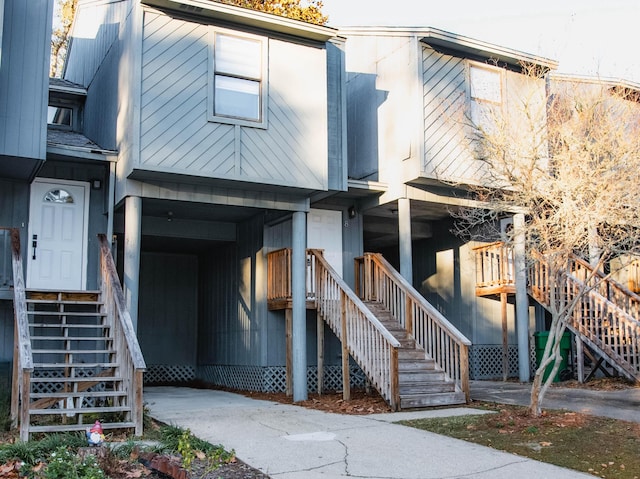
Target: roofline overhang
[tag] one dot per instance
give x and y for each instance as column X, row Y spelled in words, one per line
column 54, row 149
column 607, row 81
column 247, row 17
column 452, row 42
column 79, row 91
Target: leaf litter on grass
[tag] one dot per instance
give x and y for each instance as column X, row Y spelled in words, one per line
column 600, row 446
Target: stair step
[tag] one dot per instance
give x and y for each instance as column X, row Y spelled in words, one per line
column 76, row 379
column 80, row 427
column 63, row 395
column 427, row 388
column 80, row 410
column 411, row 354
column 67, row 313
column 73, row 351
column 416, row 365
column 429, row 400
column 63, row 302
column 74, row 365
column 69, row 325
column 420, row 375
column 71, row 338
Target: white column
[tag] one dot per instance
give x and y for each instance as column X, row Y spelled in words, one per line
column 132, row 243
column 299, row 310
column 404, row 235
column 522, row 300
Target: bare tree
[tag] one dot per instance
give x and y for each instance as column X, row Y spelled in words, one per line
column 63, row 19
column 569, row 158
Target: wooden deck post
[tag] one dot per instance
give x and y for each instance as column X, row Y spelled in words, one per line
column 464, row 372
column 395, row 381
column 138, row 405
column 346, row 379
column 25, row 387
column 320, row 344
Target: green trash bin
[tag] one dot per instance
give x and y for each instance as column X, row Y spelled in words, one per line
column 541, row 338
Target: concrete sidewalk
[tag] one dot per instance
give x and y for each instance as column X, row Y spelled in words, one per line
column 287, row 441
column 617, row 404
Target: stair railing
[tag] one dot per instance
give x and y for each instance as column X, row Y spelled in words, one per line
column 366, row 339
column 606, row 317
column 129, row 357
column 22, row 353
column 377, row 280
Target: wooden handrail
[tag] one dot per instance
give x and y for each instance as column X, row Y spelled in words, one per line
column 379, row 281
column 372, row 346
column 23, row 355
column 130, row 360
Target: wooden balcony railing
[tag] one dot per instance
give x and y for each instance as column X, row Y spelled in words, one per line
column 129, row 356
column 494, row 269
column 377, row 280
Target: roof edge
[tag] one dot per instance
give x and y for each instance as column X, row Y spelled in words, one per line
column 458, row 43
column 245, row 16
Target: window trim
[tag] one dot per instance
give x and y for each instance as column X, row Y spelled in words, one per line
column 499, row 106
column 263, row 89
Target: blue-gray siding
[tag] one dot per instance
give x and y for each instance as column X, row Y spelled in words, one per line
column 177, row 137
column 168, row 308
column 24, row 77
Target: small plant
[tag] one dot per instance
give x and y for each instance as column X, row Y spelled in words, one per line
column 64, row 464
column 186, row 450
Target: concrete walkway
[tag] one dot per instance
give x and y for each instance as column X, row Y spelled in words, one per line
column 617, row 404
column 289, row 442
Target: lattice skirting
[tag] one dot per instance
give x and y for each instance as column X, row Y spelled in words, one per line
column 485, row 361
column 169, row 373
column 274, row 378
column 38, row 387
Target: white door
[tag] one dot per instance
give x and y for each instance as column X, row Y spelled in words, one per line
column 324, row 231
column 58, row 235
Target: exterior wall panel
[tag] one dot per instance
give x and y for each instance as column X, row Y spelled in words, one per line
column 24, row 77
column 177, row 137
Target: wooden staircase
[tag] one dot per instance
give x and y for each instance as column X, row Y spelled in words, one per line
column 407, row 350
column 75, row 363
column 606, row 319
column 76, row 355
column 421, row 383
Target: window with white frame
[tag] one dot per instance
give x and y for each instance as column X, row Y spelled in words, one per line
column 485, row 94
column 237, row 81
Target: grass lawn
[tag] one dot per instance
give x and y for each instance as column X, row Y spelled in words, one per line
column 603, row 447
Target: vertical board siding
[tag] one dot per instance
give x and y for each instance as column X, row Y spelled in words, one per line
column 6, row 331
column 24, row 77
column 176, row 135
column 94, row 62
column 167, row 325
column 447, row 151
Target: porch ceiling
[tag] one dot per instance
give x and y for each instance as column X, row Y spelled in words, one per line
column 185, row 210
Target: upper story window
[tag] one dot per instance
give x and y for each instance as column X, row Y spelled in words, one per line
column 238, row 79
column 60, row 116
column 485, row 94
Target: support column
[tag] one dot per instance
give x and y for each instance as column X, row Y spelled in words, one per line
column 298, row 299
column 522, row 300
column 132, row 244
column 404, row 235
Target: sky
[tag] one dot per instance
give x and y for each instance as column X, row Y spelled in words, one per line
column 587, row 37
